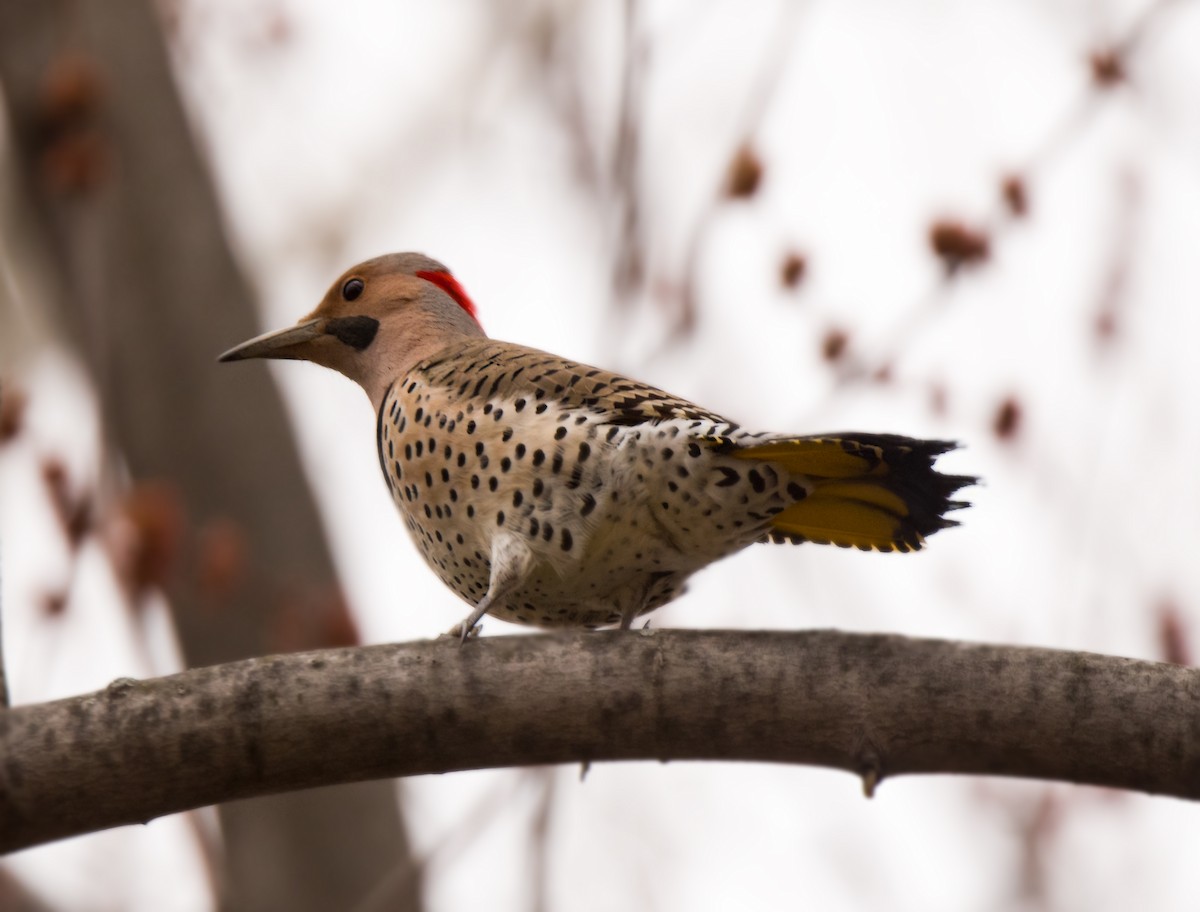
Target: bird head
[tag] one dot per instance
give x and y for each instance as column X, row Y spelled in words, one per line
column 377, row 321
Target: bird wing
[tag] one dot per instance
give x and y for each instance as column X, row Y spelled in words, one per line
column 529, row 378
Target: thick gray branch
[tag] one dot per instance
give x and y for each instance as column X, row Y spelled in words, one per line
column 873, row 705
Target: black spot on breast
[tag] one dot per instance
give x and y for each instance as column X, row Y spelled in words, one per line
column 589, row 504
column 756, row 481
column 796, row 491
column 730, row 477
column 567, row 541
column 560, row 433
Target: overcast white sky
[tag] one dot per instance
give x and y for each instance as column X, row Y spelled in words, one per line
column 340, row 131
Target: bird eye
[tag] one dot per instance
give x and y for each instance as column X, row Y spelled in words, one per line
column 352, row 289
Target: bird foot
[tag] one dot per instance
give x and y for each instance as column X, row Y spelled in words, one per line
column 462, row 631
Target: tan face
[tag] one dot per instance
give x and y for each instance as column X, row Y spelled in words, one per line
column 375, row 321
column 348, row 317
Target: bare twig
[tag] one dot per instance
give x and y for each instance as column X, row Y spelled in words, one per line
column 1109, row 66
column 873, row 705
column 758, row 104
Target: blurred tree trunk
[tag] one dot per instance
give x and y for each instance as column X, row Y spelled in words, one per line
column 123, row 221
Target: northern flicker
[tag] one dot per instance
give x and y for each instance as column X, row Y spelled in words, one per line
column 552, row 493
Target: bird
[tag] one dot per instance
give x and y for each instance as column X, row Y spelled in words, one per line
column 555, row 494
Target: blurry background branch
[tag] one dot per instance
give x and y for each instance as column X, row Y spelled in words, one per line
column 119, row 211
column 873, row 705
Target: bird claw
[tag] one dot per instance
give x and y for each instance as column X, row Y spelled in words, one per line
column 462, row 631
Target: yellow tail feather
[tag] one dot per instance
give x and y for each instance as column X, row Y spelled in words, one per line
column 876, row 492
column 844, row 522
column 824, row 457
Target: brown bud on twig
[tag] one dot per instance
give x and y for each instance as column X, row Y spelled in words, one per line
column 74, row 512
column 745, row 174
column 1108, row 68
column 54, row 604
column 833, row 346
column 1007, row 422
column 793, row 270
column 152, row 520
column 75, row 155
column 12, row 411
column 1016, row 198
column 958, row 244
column 1105, row 324
column 222, row 558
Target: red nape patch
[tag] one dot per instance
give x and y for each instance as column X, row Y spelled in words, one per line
column 449, row 284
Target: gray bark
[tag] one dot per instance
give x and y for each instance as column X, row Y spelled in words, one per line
column 873, row 705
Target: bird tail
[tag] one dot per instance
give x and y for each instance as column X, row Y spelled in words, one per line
column 875, row 492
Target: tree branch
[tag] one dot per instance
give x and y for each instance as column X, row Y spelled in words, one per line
column 873, row 705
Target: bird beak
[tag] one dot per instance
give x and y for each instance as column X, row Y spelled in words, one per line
column 282, row 343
